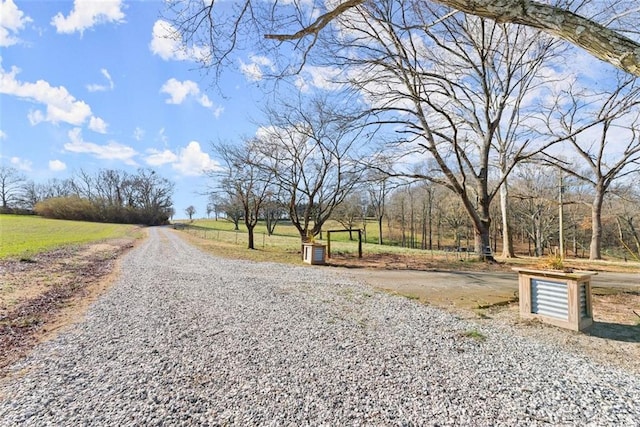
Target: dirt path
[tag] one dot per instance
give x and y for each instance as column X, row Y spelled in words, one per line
column 187, row 338
column 52, row 290
column 41, row 295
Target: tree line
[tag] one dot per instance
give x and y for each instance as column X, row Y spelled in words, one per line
column 108, row 195
column 422, row 215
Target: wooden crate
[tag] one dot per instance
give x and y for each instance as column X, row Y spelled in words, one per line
column 314, row 253
column 555, row 297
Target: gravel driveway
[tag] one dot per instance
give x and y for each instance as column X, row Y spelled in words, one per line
column 184, row 338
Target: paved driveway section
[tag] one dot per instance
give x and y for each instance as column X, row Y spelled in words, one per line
column 469, row 289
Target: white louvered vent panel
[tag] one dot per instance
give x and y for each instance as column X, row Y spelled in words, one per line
column 583, row 301
column 318, row 254
column 550, row 299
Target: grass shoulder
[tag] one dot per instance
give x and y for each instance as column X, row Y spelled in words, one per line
column 24, row 236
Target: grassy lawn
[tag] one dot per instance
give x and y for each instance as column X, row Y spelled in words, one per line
column 286, row 237
column 220, row 238
column 26, row 235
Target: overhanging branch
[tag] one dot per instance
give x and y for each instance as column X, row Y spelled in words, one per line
column 600, row 41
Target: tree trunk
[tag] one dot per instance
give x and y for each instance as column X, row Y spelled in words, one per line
column 251, row 244
column 539, row 243
column 380, row 229
column 596, row 226
column 483, row 240
column 507, row 236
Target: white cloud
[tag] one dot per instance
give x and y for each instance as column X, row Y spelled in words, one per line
column 317, row 77
column 12, row 20
column 167, row 43
column 179, row 92
column 162, row 136
column 111, row 151
column 159, row 158
column 102, row 88
column 61, row 106
column 88, row 13
column 3, row 134
column 57, row 165
column 205, row 101
column 192, row 161
column 96, row 124
column 189, row 160
column 217, row 111
column 35, row 117
column 253, row 71
column 21, row 164
column 138, row 134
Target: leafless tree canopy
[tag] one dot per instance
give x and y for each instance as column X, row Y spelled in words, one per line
column 605, row 28
column 311, row 150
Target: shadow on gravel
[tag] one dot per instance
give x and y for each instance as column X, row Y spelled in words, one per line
column 615, row 331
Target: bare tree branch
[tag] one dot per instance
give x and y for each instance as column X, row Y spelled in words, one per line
column 602, row 42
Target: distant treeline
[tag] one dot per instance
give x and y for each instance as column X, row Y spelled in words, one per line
column 106, row 196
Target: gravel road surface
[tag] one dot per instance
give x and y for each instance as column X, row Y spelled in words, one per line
column 184, row 338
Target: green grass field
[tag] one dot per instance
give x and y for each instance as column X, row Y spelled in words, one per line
column 26, row 235
column 287, row 239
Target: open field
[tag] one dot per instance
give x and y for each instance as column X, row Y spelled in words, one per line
column 26, row 235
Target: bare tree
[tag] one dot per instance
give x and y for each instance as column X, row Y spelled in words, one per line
column 214, row 205
column 11, row 186
column 310, row 150
column 534, row 206
column 233, row 210
column 220, row 30
column 244, row 180
column 108, row 195
column 379, row 184
column 349, row 212
column 273, row 210
column 627, row 221
column 32, row 194
column 152, row 196
column 430, row 199
column 83, row 184
column 611, row 149
column 190, row 211
column 453, row 103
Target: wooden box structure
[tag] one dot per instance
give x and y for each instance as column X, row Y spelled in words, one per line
column 555, row 297
column 314, row 253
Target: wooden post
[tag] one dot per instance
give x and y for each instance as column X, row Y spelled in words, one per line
column 328, row 244
column 359, row 243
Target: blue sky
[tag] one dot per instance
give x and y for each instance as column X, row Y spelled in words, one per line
column 97, row 85
column 94, row 85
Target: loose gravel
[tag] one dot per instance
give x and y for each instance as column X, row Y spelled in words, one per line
column 184, row 338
